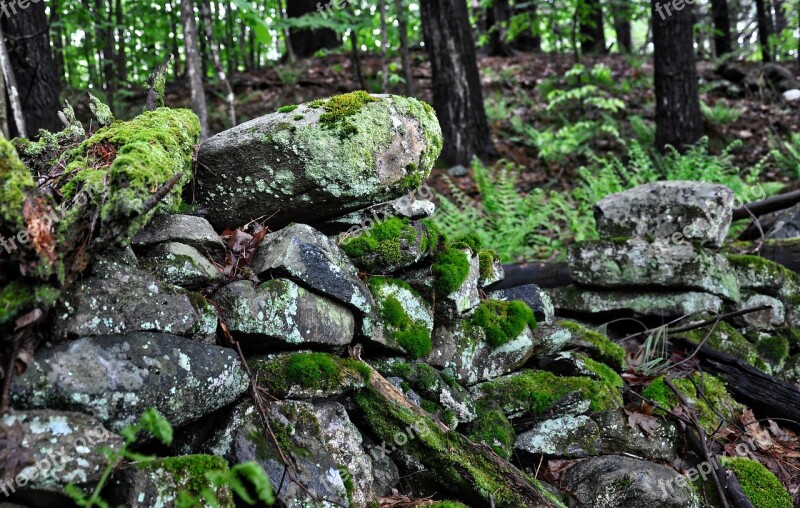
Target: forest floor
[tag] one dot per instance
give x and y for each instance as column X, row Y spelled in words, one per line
column 514, row 87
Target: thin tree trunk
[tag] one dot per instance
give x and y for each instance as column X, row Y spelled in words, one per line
column 3, row 103
column 122, row 55
column 174, row 19
column 13, row 90
column 621, row 13
column 193, row 66
column 593, row 39
column 457, row 94
column 286, row 35
column 722, row 27
column 678, row 119
column 218, row 62
column 108, row 52
column 497, row 17
column 307, row 42
column 354, row 55
column 243, row 46
column 402, row 22
column 764, row 17
column 780, row 16
column 384, row 47
column 57, row 40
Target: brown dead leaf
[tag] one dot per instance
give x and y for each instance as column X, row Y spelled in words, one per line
column 642, row 421
column 14, row 457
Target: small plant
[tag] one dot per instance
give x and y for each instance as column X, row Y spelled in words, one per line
column 288, row 74
column 720, row 114
column 786, row 153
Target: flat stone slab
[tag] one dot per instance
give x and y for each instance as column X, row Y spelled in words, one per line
column 187, row 229
column 698, row 211
column 576, row 300
column 117, row 378
column 181, row 265
column 568, row 436
column 537, row 299
column 651, row 265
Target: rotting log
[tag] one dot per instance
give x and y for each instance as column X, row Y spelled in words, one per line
column 768, row 205
column 544, row 275
column 473, row 470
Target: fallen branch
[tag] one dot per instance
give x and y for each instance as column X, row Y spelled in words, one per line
column 768, row 205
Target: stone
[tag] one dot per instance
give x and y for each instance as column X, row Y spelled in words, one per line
column 276, row 373
column 305, row 255
column 537, row 299
column 768, row 319
column 780, row 77
column 116, row 378
column 120, row 298
column 407, row 333
column 619, row 437
column 595, row 345
column 659, row 264
column 54, row 449
column 792, row 95
column 491, row 268
column 279, row 313
column 571, row 437
column 194, row 231
column 761, row 275
column 699, row 212
column 385, row 474
column 319, row 161
column 615, row 481
column 787, row 225
column 391, row 245
column 408, row 207
column 575, row 300
column 457, row 172
column 181, row 265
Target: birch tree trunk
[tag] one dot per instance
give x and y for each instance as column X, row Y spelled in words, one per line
column 384, row 49
column 218, row 62
column 402, row 21
column 193, row 66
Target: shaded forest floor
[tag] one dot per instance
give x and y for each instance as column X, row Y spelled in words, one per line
column 515, row 87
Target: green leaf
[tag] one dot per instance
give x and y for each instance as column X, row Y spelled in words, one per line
column 257, row 478
column 152, row 422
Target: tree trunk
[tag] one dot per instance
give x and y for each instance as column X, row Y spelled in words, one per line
column 457, row 94
column 678, row 119
column 529, row 40
column 354, row 55
column 58, row 41
column 722, row 27
column 497, row 17
column 121, row 55
column 384, row 47
column 621, row 13
column 593, row 39
column 174, row 19
column 10, row 86
column 402, row 21
column 212, row 43
column 193, row 66
column 28, row 43
column 764, row 17
column 304, row 43
column 287, row 36
column 105, row 21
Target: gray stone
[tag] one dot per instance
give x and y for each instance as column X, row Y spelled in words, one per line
column 780, row 77
column 385, row 474
column 614, row 481
column 792, row 95
column 457, row 172
column 300, row 167
column 186, row 229
column 495, row 272
column 657, row 264
column 575, row 300
column 116, row 378
column 55, row 449
column 119, row 298
column 570, row 437
column 271, row 371
column 416, row 308
column 408, row 207
column 181, row 265
column 698, row 211
column 279, row 313
column 768, row 319
column 618, row 436
column 764, row 276
column 305, row 255
column 538, row 300
column 416, row 241
column 787, row 225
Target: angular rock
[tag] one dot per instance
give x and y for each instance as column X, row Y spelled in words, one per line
column 286, row 375
column 698, row 211
column 305, row 255
column 318, row 161
column 119, row 298
column 768, row 319
column 787, row 225
column 575, row 300
column 187, row 229
column 619, row 436
column 538, row 300
column 595, row 345
column 181, row 265
column 118, row 377
column 614, row 481
column 491, row 269
column 279, row 313
column 408, row 333
column 408, row 207
column 54, row 449
column 658, row 264
column 570, row 437
column 764, row 276
column 392, row 245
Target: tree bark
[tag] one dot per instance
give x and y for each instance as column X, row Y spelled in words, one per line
column 174, row 19
column 28, row 43
column 678, row 119
column 354, row 56
column 12, row 89
column 621, row 13
column 765, row 29
column 528, row 41
column 287, row 36
column 593, row 39
column 497, row 18
column 57, row 38
column 193, row 66
column 212, row 43
column 457, row 94
column 722, row 27
column 402, row 22
column 121, row 53
column 384, row 47
column 305, row 43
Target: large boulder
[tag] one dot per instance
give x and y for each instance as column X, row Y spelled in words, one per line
column 698, row 211
column 117, row 378
column 318, row 160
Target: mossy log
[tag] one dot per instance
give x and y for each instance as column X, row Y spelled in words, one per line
column 784, row 252
column 473, row 471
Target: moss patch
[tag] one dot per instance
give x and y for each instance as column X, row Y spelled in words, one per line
column 17, row 297
column 450, row 270
column 413, row 337
column 727, row 339
column 287, row 109
column 492, row 428
column 761, row 486
column 339, row 109
column 774, row 349
column 189, row 475
column 15, row 183
column 313, row 371
column 608, row 351
column 503, row 321
column 388, row 244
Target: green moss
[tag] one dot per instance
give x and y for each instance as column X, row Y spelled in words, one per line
column 450, row 270
column 189, row 473
column 714, row 391
column 503, row 321
column 314, row 371
column 297, row 118
column 727, row 339
column 534, row 392
column 604, row 373
column 15, row 183
column 493, row 428
column 339, row 109
column 774, row 349
column 413, row 337
column 471, row 241
column 381, row 246
column 287, row 109
column 486, row 259
column 760, row 486
column 17, row 297
column 609, row 352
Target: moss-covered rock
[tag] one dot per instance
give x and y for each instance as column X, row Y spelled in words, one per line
column 727, row 339
column 406, row 317
column 595, row 344
column 346, row 153
column 391, row 245
column 309, row 375
column 16, row 182
column 169, row 479
column 492, row 428
column 774, row 349
column 590, row 302
column 760, row 486
column 502, row 321
column 764, row 276
column 491, row 268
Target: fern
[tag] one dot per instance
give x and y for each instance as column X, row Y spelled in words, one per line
column 787, row 154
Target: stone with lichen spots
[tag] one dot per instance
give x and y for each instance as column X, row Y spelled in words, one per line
column 698, row 211
column 567, row 436
column 181, row 265
column 319, row 161
column 584, row 301
column 416, row 308
column 279, row 313
column 537, row 299
column 626, row 263
column 117, row 378
column 619, row 437
column 187, row 229
column 62, row 448
column 405, row 207
column 767, row 319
